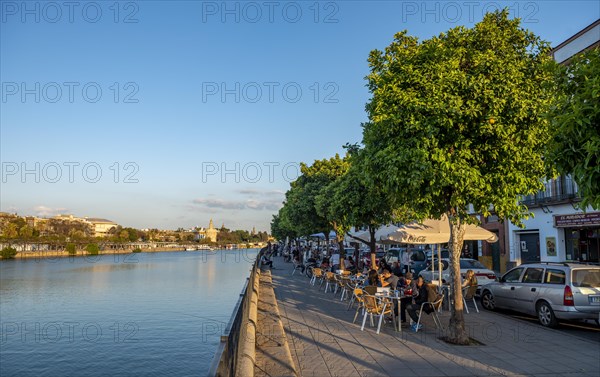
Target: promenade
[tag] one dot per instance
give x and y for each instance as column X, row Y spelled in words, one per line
column 324, row 342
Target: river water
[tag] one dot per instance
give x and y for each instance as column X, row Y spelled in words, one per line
column 146, row 314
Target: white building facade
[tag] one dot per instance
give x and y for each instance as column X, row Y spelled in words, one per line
column 559, row 230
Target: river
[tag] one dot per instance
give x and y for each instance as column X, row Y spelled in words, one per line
column 145, row 314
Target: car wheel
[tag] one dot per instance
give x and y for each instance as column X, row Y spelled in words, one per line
column 546, row 315
column 487, row 300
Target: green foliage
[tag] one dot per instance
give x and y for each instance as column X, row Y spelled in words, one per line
column 302, row 211
column 10, row 230
column 458, row 119
column 136, row 250
column 8, row 252
column 575, row 145
column 71, row 249
column 92, row 249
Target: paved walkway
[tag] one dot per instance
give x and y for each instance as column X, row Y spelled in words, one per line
column 325, row 342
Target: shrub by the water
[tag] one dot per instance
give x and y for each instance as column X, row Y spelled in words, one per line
column 92, row 249
column 136, row 250
column 8, row 252
column 71, row 249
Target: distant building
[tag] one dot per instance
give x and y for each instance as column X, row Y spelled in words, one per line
column 211, row 232
column 101, row 227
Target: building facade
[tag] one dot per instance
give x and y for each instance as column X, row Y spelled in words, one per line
column 559, row 230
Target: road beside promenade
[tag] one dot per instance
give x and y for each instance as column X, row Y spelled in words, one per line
column 324, row 341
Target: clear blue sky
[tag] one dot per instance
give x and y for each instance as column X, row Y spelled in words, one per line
column 200, row 86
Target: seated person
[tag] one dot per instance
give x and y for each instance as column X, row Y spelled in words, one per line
column 325, row 264
column 265, row 261
column 469, row 281
column 409, row 286
column 420, row 296
column 373, row 278
column 389, row 280
column 396, row 269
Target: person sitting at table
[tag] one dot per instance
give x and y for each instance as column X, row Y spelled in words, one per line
column 409, row 285
column 373, row 278
column 389, row 280
column 469, row 285
column 325, row 264
column 420, row 296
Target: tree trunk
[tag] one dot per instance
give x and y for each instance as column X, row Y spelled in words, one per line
column 373, row 247
column 456, row 328
column 342, row 253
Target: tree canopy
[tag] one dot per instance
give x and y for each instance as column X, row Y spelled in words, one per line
column 458, row 119
column 575, row 123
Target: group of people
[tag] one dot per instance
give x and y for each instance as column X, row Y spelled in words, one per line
column 415, row 290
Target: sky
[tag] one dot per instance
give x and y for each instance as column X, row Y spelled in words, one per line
column 165, row 114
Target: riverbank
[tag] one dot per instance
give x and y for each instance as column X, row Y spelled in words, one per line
column 48, row 254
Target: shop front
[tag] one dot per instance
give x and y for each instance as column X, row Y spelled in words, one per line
column 582, row 236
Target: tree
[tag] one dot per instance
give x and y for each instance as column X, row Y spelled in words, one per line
column 362, row 198
column 301, row 198
column 10, row 231
column 575, row 145
column 458, row 120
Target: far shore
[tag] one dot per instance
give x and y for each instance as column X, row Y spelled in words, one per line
column 41, row 254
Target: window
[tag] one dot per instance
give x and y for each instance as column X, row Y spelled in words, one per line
column 471, row 264
column 533, row 275
column 417, row 256
column 554, row 276
column 588, row 278
column 512, row 276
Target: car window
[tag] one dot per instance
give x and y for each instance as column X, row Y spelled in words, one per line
column 513, row 275
column 589, row 278
column 471, row 263
column 554, row 276
column 417, row 256
column 533, row 275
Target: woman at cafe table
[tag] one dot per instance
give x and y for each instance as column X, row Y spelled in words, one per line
column 420, row 296
column 409, row 286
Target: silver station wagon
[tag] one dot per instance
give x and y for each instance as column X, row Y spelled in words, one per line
column 552, row 291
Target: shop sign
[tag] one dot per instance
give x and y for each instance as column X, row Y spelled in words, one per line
column 575, row 220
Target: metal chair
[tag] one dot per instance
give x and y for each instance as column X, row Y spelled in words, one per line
column 317, row 274
column 468, row 293
column 435, row 306
column 373, row 306
column 329, row 280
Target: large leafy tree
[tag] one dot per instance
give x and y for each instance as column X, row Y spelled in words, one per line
column 575, row 124
column 361, row 198
column 301, row 199
column 457, row 120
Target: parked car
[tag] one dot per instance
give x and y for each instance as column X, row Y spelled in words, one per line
column 483, row 274
column 551, row 291
column 417, row 256
column 366, row 257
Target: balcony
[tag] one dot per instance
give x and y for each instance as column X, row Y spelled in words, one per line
column 558, row 191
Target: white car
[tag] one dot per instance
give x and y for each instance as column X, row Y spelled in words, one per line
column 483, row 274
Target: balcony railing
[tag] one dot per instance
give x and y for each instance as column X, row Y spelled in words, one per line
column 559, row 190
